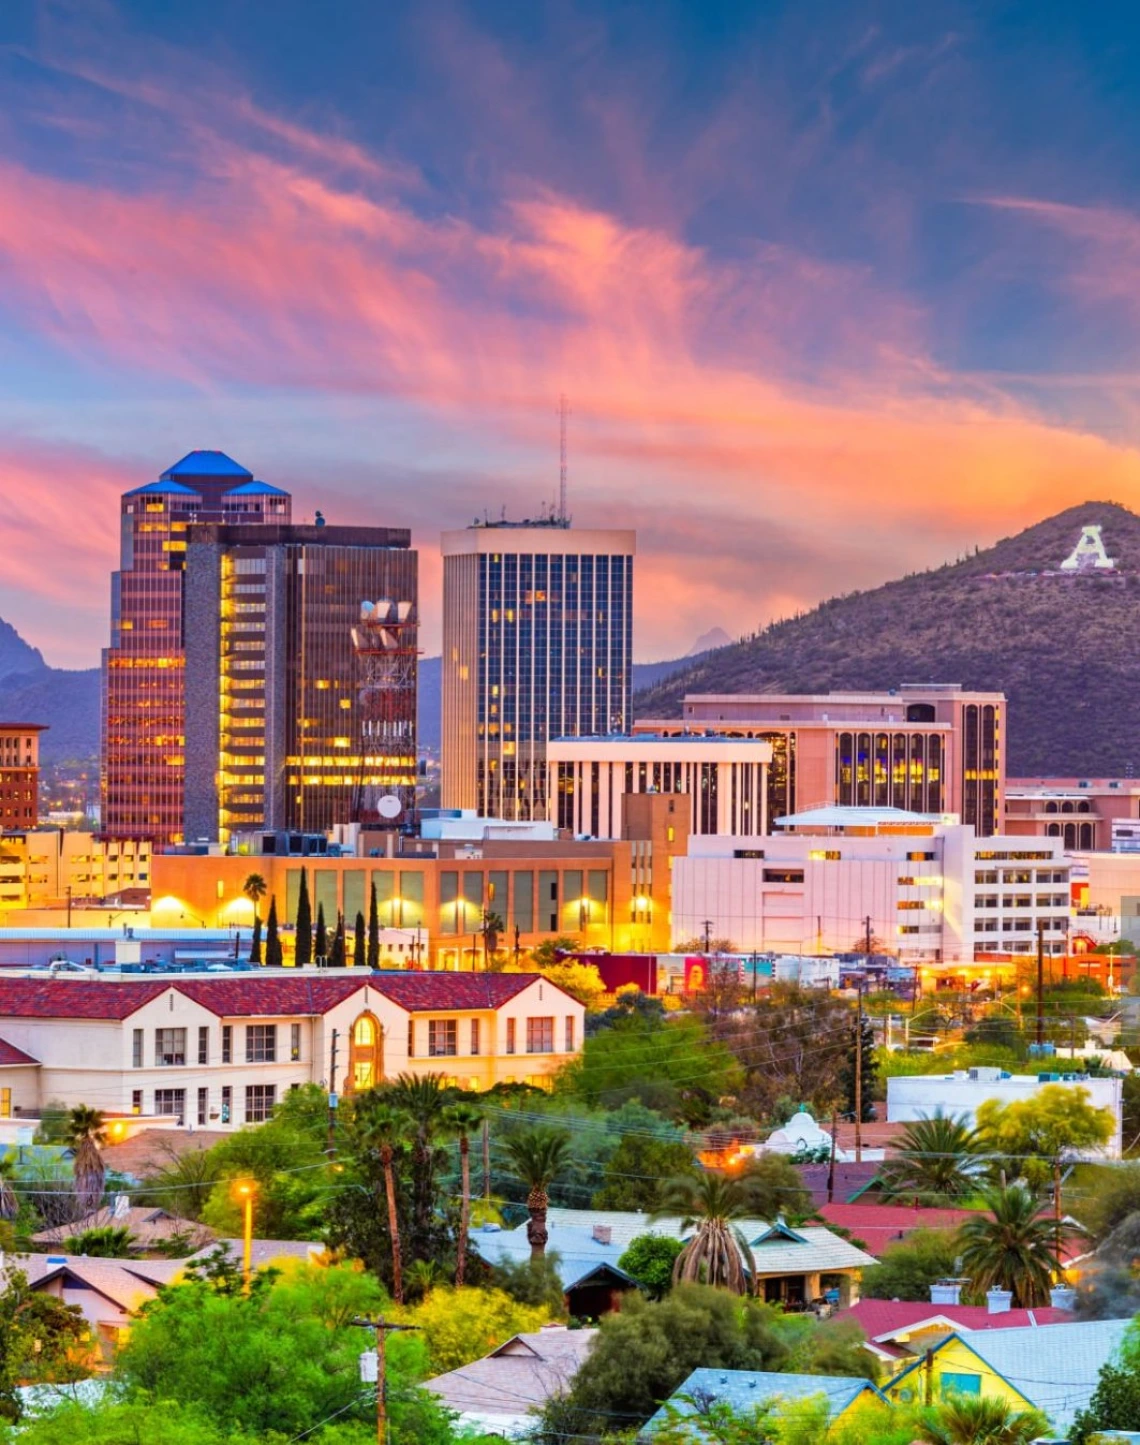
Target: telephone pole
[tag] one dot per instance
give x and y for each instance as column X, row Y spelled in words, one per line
column 382, row 1328
column 1040, row 982
column 859, row 1075
column 333, row 1100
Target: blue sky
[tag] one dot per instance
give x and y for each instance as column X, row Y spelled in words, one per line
column 836, row 290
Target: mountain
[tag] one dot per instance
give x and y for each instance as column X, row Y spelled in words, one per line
column 33, row 692
column 1063, row 643
column 16, row 655
column 715, row 637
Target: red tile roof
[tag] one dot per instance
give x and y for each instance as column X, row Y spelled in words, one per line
column 881, row 1225
column 850, row 1179
column 10, row 1056
column 251, row 996
column 879, row 1317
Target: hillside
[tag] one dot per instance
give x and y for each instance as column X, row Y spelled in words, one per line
column 67, row 702
column 1063, row 645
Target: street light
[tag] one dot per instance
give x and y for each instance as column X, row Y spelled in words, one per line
column 245, row 1190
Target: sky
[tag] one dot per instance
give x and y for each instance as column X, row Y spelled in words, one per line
column 836, row 290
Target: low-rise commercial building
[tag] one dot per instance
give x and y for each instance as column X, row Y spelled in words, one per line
column 1087, row 814
column 51, row 867
column 19, row 775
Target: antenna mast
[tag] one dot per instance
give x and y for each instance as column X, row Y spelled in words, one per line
column 563, row 413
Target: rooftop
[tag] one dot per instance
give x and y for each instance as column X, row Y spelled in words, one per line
column 206, row 464
column 881, row 1319
column 522, row 1373
column 748, row 1389
column 881, row 1225
column 162, row 488
column 838, row 816
column 256, row 489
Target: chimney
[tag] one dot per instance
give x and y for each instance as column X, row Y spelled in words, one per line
column 603, row 1234
column 121, row 1206
column 946, row 1292
column 998, row 1301
column 1063, row 1297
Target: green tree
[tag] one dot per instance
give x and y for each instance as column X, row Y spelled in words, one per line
column 113, row 1422
column 635, row 1171
column 552, row 950
column 381, row 1134
column 536, row 1156
column 9, row 1200
column 28, row 1316
column 255, row 941
column 983, row 1420
column 1010, row 1247
column 461, row 1325
column 1115, row 1402
column 776, row 1187
column 534, row 1282
column 718, row 1253
column 649, row 1259
column 87, row 1135
column 321, row 946
column 462, row 1119
column 908, row 1269
column 303, row 946
column 359, row 944
column 338, row 958
column 373, row 929
column 869, row 1071
column 255, row 888
column 273, row 955
column 108, row 1242
column 937, row 1161
column 424, row 1098
column 492, row 926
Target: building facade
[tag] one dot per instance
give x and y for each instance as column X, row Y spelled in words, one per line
column 1090, row 815
column 537, row 642
column 143, row 723
column 724, row 781
column 19, row 775
column 276, row 691
column 932, row 748
column 48, row 867
column 223, row 1052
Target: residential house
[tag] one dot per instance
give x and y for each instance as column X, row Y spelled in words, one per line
column 586, row 1262
column 900, row 1331
column 1054, row 1369
column 151, row 1228
column 224, row 1051
column 501, row 1393
column 747, row 1390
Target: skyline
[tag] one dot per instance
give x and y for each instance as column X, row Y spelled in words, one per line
column 833, row 297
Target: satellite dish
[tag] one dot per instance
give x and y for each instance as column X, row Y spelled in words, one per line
column 389, row 806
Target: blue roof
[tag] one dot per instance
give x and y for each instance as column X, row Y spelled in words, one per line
column 206, row 464
column 576, row 1260
column 163, row 489
column 256, row 489
column 752, row 1389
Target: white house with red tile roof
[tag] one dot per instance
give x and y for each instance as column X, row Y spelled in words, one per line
column 220, row 1052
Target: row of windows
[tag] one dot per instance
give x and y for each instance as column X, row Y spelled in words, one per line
column 443, row 1037
column 259, row 1100
column 170, row 1046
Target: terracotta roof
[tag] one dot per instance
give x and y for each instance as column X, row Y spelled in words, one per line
column 850, row 1179
column 881, row 1225
column 148, row 1225
column 74, row 998
column 153, row 1149
column 422, row 992
column 12, row 1057
column 878, row 1134
column 883, row 1317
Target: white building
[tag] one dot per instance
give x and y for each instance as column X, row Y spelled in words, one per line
column 223, row 1051
column 931, row 889
column 726, row 780
column 961, row 1093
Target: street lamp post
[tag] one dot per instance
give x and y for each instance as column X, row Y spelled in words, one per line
column 246, row 1189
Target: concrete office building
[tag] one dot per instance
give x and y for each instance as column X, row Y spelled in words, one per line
column 930, row 748
column 1088, row 814
column 143, row 723
column 19, row 775
column 537, row 638
column 276, row 692
column 934, row 891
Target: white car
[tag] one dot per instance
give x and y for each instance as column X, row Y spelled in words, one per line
column 64, row 968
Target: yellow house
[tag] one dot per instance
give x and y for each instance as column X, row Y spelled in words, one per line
column 1053, row 1368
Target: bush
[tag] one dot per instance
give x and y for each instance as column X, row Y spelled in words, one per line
column 533, row 1282
column 650, row 1259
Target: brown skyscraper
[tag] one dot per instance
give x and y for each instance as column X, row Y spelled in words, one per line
column 143, row 735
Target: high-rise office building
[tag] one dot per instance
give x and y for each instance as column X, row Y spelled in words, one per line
column 300, row 678
column 537, row 640
column 143, row 726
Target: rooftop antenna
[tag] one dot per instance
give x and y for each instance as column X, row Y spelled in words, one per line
column 563, row 413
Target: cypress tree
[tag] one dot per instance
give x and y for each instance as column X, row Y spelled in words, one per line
column 304, row 948
column 321, row 949
column 373, row 930
column 272, row 940
column 338, row 959
column 255, row 942
column 358, row 944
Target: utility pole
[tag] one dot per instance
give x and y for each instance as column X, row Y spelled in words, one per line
column 1040, row 982
column 859, row 1074
column 382, row 1328
column 333, row 1101
column 486, row 1159
column 831, row 1164
column 708, row 923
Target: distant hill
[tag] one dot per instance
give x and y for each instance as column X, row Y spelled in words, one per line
column 1063, row 645
column 66, row 702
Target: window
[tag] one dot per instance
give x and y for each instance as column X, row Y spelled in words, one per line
column 203, row 1106
column 261, row 1043
column 510, row 1036
column 169, row 1049
column 442, row 1038
column 227, row 1044
column 364, row 1052
column 540, row 1036
column 294, row 1043
column 137, row 1049
column 5, row 1103
column 227, row 1104
column 411, row 1038
column 259, row 1102
column 958, row 1384
column 783, row 875
column 203, row 1044
column 171, row 1101
column 474, row 1036
column 136, row 1101
column 569, row 1035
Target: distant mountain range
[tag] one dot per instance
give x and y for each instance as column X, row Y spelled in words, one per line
column 1062, row 642
column 31, row 691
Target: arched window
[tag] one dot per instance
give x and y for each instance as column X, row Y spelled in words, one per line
column 1053, row 830
column 1070, row 835
column 1083, row 807
column 1050, row 807
column 365, row 1054
column 1066, row 807
column 1086, row 835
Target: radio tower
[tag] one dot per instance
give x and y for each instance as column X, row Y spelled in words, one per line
column 563, row 413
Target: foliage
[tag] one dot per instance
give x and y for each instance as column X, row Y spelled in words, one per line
column 41, row 1340
column 255, row 888
column 937, row 1161
column 87, row 1134
column 869, row 1071
column 359, row 941
column 461, row 1325
column 634, row 1173
column 581, row 981
column 1040, row 1130
column 629, row 1002
column 709, row 1205
column 1115, row 1402
column 107, row 1242
column 53, row 1125
column 273, row 954
column 114, row 1422
column 776, row 1187
column 534, row 1282
column 983, row 1420
column 908, row 1269
column 182, row 1184
column 552, row 950
column 772, row 1423
column 650, row 1258
column 1010, row 1247
column 373, row 929
column 1102, row 1196
column 303, row 939
column 321, row 938
column 536, row 1156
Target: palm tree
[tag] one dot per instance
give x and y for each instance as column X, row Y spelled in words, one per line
column 423, row 1099
column 86, row 1135
column 538, row 1155
column 1010, row 1247
column 938, row 1161
column 385, row 1129
column 9, row 1203
column 493, row 925
column 255, row 888
column 982, row 1420
column 463, row 1118
column 718, row 1253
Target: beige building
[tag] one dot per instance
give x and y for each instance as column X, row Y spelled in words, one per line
column 221, row 1052
column 1087, row 814
column 49, row 867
